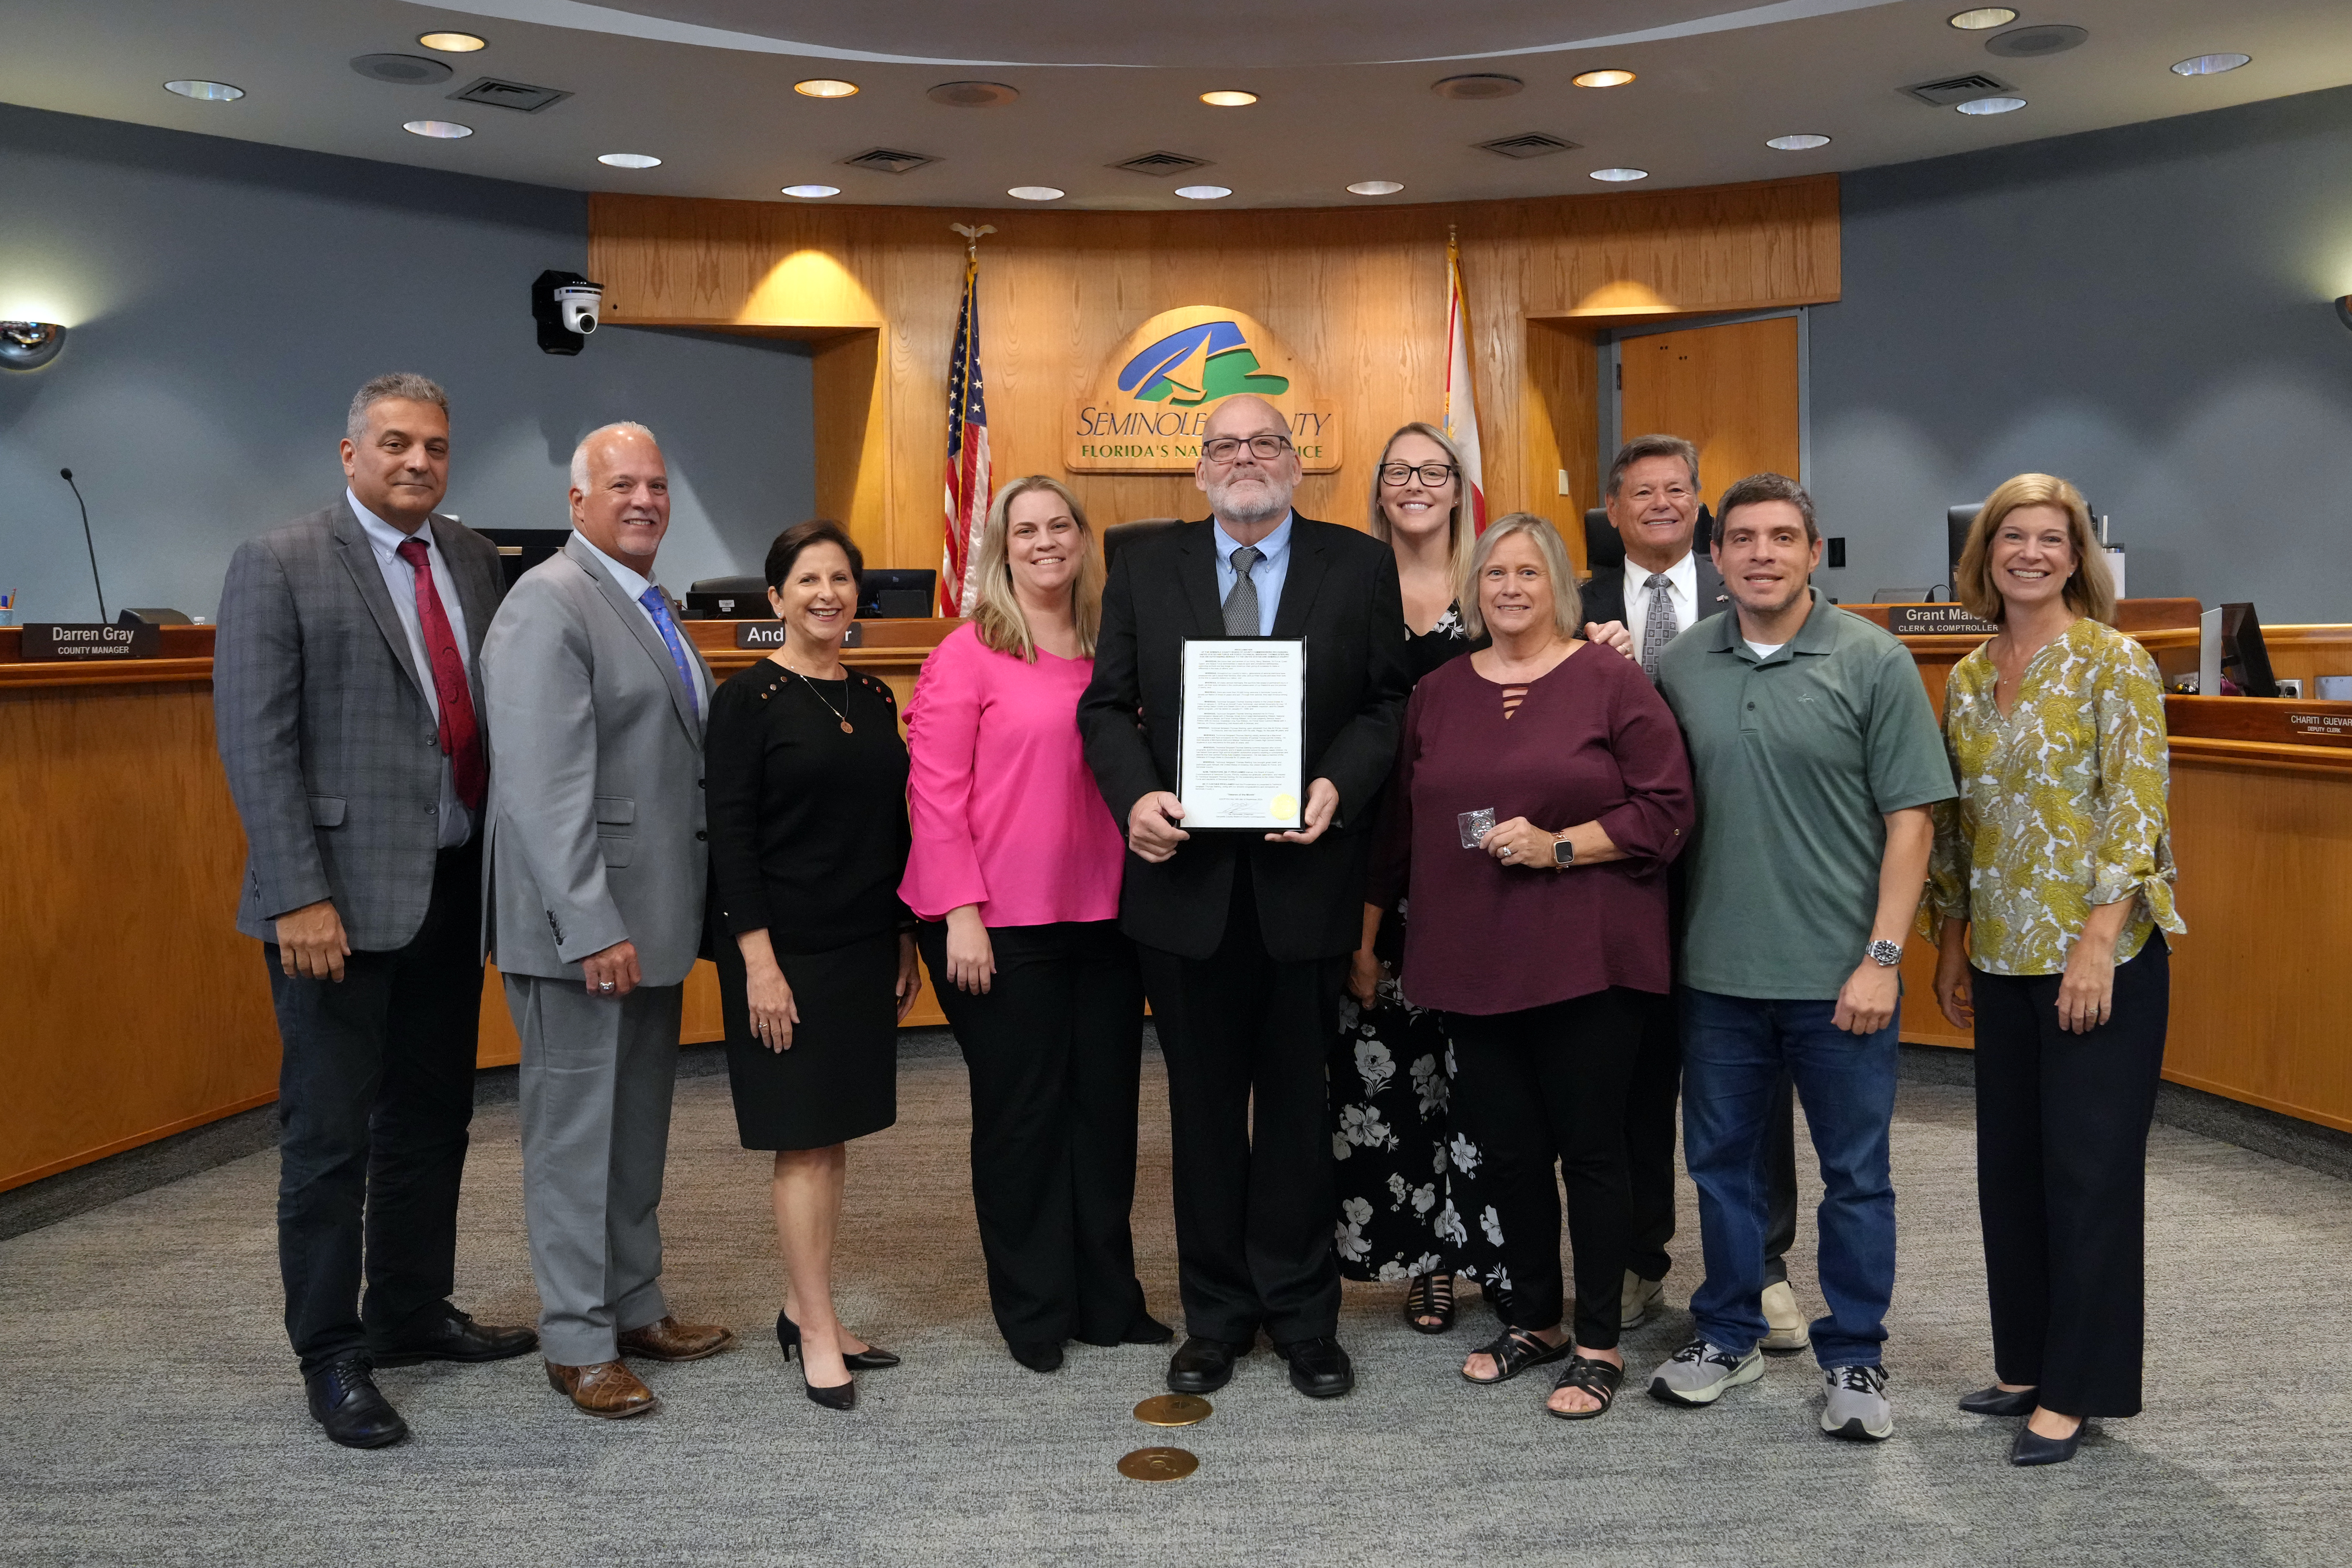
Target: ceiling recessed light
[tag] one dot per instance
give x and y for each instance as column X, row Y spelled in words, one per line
column 1799, row 143
column 1203, row 193
column 1619, row 176
column 444, row 130
column 1990, row 106
column 1036, row 193
column 2211, row 65
column 1602, row 79
column 1980, row 18
column 825, row 87
column 629, row 160
column 1375, row 188
column 1228, row 99
column 453, row 43
column 812, row 192
column 221, row 92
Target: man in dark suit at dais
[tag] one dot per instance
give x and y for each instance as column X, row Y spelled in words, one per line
column 347, row 700
column 1245, row 938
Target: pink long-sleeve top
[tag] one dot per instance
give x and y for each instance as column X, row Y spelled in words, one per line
column 1006, row 813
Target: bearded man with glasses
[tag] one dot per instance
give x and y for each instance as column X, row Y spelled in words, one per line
column 1245, row 941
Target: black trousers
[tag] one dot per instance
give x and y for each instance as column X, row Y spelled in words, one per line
column 375, row 1090
column 1249, row 1116
column 1651, row 1123
column 1054, row 1052
column 2061, row 1181
column 1545, row 1085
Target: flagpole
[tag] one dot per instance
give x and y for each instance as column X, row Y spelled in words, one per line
column 967, row 490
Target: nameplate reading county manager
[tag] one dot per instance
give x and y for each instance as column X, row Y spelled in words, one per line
column 1242, row 735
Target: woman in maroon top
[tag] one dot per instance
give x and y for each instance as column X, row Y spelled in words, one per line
column 1540, row 791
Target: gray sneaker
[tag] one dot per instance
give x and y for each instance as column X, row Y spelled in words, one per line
column 1639, row 1301
column 1857, row 1406
column 1697, row 1374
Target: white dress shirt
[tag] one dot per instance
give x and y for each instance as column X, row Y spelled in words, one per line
column 399, row 581
column 1267, row 572
column 635, row 584
column 1682, row 593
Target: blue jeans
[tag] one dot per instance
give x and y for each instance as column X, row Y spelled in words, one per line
column 1734, row 1050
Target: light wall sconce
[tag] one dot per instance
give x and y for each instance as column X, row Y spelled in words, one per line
column 2343, row 309
column 29, row 345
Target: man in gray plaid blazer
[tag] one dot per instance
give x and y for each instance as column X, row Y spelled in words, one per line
column 346, row 701
column 598, row 864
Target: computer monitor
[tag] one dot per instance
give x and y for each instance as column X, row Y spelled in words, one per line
column 897, row 593
column 728, row 599
column 520, row 548
column 1957, row 520
column 2245, row 661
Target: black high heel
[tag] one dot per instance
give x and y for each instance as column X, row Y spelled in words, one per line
column 2000, row 1401
column 840, row 1396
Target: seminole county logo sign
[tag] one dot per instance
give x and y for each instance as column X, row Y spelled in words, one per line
column 1153, row 399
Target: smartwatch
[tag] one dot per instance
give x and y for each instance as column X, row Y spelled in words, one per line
column 1563, row 853
column 1886, row 955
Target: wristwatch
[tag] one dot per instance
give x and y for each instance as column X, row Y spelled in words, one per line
column 1886, row 953
column 1563, row 853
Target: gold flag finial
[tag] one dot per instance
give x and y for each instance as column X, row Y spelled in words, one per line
column 971, row 235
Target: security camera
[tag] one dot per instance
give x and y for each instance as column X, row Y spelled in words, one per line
column 564, row 306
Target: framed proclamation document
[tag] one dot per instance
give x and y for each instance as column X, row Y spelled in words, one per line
column 1242, row 737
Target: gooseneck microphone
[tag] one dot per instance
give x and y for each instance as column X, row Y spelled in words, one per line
column 67, row 475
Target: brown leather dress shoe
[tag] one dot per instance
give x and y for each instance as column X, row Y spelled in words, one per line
column 670, row 1340
column 608, row 1390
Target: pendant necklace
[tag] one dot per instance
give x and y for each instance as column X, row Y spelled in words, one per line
column 846, row 727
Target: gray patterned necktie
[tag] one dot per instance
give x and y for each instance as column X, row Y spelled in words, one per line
column 1658, row 625
column 1240, row 604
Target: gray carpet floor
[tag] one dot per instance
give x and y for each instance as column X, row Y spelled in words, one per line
column 153, row 1415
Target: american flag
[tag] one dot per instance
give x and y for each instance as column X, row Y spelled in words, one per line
column 968, row 489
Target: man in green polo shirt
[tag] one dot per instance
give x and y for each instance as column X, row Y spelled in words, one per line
column 1816, row 756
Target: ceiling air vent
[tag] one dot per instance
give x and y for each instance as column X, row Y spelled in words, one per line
column 1955, row 89
column 889, row 160
column 2033, row 42
column 1534, row 144
column 1161, row 163
column 519, row 95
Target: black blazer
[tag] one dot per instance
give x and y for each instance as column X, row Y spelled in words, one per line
column 1604, row 596
column 1340, row 594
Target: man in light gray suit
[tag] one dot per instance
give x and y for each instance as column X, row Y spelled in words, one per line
column 346, row 701
column 595, row 905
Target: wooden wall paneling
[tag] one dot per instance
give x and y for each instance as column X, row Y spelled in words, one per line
column 2305, row 653
column 1731, row 388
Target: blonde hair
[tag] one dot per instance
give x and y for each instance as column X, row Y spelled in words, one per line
column 996, row 615
column 1567, row 605
column 1462, row 526
column 2091, row 590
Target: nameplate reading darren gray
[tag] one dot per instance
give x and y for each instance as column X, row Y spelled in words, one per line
column 80, row 642
column 1931, row 620
column 768, row 635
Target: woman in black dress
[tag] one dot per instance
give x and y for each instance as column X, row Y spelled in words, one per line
column 806, row 779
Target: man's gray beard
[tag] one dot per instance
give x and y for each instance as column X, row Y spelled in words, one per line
column 1230, row 508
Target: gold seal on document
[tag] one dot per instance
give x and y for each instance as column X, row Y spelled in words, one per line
column 1173, row 1410
column 1284, row 808
column 1158, row 1465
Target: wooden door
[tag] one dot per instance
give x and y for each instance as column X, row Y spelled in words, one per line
column 1731, row 389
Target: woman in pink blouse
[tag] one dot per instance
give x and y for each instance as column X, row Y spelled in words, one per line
column 1015, row 876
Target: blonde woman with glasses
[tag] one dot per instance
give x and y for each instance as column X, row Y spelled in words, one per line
column 2052, row 883
column 1015, row 876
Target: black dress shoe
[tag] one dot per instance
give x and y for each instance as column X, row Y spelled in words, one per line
column 1319, row 1368
column 2000, row 1401
column 345, row 1401
column 1037, row 1355
column 441, row 1333
column 1146, row 1329
column 2032, row 1448
column 1202, row 1365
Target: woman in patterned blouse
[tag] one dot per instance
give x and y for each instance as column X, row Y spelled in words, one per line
column 2051, row 879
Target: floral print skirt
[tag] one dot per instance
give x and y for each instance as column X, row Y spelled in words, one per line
column 1410, row 1201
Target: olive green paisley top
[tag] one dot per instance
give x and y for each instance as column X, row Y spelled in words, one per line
column 2061, row 804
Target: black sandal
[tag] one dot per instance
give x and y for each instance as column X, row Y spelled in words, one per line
column 1430, row 1296
column 1514, row 1351
column 1598, row 1378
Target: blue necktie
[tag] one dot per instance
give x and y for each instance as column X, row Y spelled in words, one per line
column 652, row 600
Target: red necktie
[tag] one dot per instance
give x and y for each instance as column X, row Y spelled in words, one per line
column 461, row 737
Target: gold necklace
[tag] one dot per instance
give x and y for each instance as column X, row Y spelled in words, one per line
column 846, row 727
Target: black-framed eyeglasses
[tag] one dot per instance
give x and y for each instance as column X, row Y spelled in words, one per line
column 1225, row 448
column 1398, row 475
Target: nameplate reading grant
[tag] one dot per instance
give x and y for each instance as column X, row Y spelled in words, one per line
column 1241, row 738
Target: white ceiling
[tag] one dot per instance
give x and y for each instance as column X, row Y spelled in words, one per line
column 1344, row 87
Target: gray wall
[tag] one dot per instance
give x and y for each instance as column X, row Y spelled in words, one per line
column 223, row 300
column 2144, row 310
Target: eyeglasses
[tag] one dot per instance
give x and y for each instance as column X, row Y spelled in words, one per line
column 1223, row 449
column 1396, row 474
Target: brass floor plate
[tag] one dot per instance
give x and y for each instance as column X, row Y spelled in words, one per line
column 1158, row 1465
column 1173, row 1410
